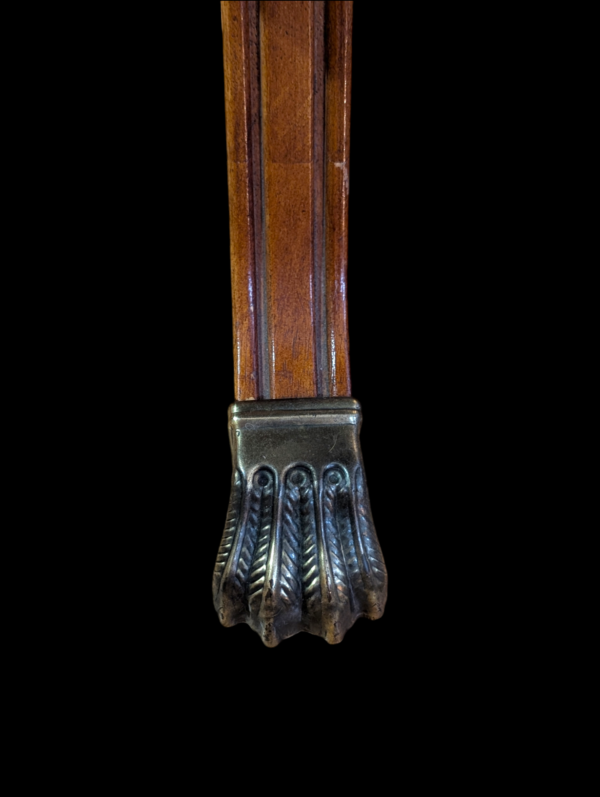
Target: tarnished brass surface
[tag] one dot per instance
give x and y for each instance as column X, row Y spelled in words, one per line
column 299, row 551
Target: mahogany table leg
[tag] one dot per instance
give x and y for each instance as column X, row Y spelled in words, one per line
column 299, row 550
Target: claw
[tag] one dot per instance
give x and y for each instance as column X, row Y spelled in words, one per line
column 299, row 551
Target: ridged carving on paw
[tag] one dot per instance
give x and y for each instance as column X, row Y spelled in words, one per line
column 374, row 572
column 245, row 549
column 231, row 525
column 299, row 553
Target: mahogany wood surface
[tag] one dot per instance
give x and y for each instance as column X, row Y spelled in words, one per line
column 287, row 99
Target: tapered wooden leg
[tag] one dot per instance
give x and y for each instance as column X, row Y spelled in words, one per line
column 299, row 551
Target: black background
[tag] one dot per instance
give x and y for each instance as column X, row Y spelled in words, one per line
column 162, row 157
column 132, row 134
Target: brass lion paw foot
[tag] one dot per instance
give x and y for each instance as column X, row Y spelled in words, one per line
column 299, row 551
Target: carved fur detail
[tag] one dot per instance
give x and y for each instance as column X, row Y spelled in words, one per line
column 297, row 554
column 332, row 481
column 374, row 571
column 353, row 556
column 291, row 544
column 311, row 574
column 261, row 522
column 231, row 525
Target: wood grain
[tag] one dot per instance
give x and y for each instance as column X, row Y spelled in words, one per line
column 339, row 57
column 287, row 98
